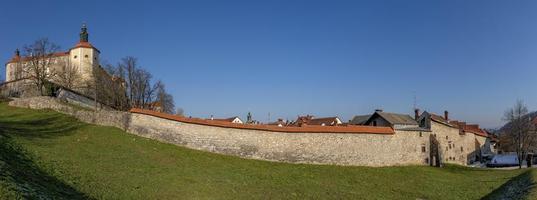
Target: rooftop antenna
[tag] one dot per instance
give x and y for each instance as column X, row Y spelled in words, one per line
column 415, row 100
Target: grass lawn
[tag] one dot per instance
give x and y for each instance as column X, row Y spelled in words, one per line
column 44, row 154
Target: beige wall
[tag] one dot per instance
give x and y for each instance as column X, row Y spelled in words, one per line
column 450, row 143
column 402, row 148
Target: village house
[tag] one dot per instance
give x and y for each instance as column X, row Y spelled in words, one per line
column 280, row 123
column 456, row 141
column 311, row 120
column 381, row 118
column 235, row 120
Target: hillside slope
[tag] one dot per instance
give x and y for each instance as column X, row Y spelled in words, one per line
column 44, row 154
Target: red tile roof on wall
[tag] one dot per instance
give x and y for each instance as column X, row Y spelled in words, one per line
column 285, row 129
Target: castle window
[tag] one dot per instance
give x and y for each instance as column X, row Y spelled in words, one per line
column 423, row 149
column 75, row 57
column 85, row 56
column 427, row 160
column 447, row 137
column 421, row 134
column 462, row 149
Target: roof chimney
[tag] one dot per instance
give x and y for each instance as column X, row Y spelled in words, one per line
column 446, row 115
column 416, row 114
column 378, row 110
column 17, row 53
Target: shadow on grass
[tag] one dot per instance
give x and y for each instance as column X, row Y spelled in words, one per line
column 18, row 172
column 516, row 188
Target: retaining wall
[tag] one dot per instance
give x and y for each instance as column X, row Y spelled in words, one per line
column 319, row 145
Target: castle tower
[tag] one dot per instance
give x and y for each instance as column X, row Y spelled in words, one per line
column 84, row 55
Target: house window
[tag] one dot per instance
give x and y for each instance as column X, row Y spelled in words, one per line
column 423, row 149
column 75, row 57
column 447, row 137
column 85, row 56
column 426, row 160
column 462, row 149
column 421, row 134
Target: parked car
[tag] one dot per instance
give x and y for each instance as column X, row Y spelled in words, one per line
column 503, row 160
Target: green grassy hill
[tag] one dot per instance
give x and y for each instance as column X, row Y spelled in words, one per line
column 45, row 154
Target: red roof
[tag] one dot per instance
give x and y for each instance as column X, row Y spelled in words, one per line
column 272, row 128
column 471, row 128
column 328, row 121
column 26, row 58
column 85, row 45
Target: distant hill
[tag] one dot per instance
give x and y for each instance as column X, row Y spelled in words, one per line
column 532, row 115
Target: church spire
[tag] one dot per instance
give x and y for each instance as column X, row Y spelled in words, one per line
column 84, row 33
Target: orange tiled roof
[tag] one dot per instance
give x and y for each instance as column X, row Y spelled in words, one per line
column 285, row 129
column 26, row 58
column 85, row 45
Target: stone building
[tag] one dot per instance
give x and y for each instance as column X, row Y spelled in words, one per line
column 456, row 142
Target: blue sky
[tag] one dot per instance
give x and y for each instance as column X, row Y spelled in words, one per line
column 326, row 58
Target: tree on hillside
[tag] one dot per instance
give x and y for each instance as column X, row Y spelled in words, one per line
column 40, row 58
column 140, row 90
column 164, row 99
column 520, row 130
column 68, row 75
column 180, row 112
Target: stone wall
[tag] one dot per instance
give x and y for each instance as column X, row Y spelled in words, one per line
column 102, row 117
column 345, row 148
column 401, row 148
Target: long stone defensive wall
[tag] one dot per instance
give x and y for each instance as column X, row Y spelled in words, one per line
column 346, row 145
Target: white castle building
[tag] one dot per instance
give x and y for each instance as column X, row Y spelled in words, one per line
column 82, row 59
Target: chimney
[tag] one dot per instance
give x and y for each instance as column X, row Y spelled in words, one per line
column 416, row 113
column 446, row 115
column 378, row 110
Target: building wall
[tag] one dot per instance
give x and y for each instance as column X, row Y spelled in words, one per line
column 450, row 143
column 86, row 59
column 14, row 70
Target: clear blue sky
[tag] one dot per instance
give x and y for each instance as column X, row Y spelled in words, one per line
column 473, row 58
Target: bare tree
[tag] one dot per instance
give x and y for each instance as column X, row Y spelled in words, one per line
column 180, row 112
column 68, row 75
column 164, row 99
column 520, row 130
column 39, row 61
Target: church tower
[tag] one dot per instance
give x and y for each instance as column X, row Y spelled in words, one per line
column 84, row 55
